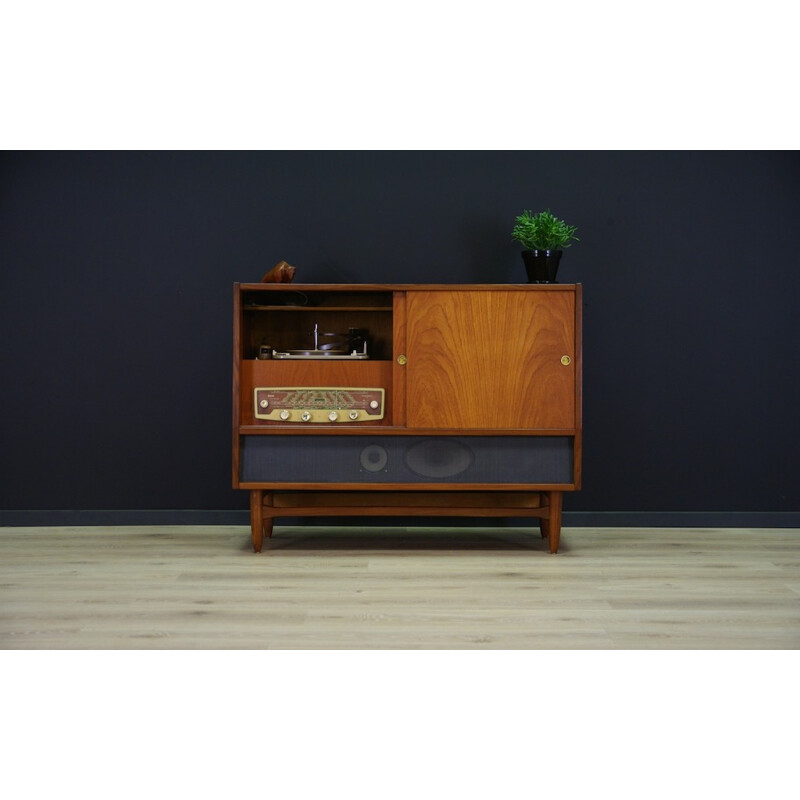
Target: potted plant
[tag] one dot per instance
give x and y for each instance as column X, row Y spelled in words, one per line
column 544, row 237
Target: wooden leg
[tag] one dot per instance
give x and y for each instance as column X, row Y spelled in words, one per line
column 266, row 502
column 257, row 518
column 543, row 527
column 544, row 522
column 554, row 522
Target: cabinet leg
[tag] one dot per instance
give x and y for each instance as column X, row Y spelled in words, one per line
column 553, row 523
column 266, row 501
column 543, row 526
column 257, row 518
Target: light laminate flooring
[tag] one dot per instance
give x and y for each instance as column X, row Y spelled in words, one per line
column 190, row 587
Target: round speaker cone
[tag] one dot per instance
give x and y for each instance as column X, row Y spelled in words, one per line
column 374, row 458
column 438, row 458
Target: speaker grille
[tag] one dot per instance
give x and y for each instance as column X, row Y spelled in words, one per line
column 374, row 458
column 439, row 458
column 407, row 459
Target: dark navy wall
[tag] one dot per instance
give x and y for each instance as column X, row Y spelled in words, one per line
column 115, row 329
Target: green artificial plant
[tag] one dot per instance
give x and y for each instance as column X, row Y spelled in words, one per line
column 542, row 231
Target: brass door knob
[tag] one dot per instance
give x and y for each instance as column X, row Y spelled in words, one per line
column 566, row 360
column 402, row 360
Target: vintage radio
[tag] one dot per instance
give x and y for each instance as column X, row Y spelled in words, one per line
column 411, row 400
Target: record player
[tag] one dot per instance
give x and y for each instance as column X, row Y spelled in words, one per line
column 336, row 346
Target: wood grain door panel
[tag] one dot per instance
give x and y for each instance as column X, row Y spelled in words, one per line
column 491, row 359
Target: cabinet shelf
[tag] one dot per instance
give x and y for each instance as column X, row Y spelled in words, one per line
column 318, row 309
column 317, row 361
column 273, row 429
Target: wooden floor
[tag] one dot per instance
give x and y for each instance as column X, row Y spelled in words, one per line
column 393, row 588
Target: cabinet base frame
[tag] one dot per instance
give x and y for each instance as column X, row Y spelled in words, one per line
column 266, row 506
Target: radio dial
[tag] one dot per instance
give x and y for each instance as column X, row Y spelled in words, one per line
column 327, row 404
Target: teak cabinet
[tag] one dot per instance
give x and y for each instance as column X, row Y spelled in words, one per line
column 410, row 400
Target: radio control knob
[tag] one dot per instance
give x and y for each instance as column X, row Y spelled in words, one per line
column 333, row 416
column 353, row 414
column 263, row 403
column 373, row 404
column 285, row 414
column 305, row 416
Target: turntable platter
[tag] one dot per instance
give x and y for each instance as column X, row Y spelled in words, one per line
column 320, row 354
column 323, row 351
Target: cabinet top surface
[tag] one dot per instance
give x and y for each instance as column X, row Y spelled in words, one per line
column 397, row 287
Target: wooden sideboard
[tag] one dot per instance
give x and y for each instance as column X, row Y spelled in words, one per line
column 407, row 400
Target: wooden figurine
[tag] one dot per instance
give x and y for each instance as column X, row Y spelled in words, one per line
column 282, row 272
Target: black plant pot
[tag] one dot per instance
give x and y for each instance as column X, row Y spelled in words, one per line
column 541, row 265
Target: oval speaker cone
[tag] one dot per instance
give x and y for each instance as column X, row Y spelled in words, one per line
column 438, row 458
column 374, row 458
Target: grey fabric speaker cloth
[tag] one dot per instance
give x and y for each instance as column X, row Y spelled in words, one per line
column 407, row 459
